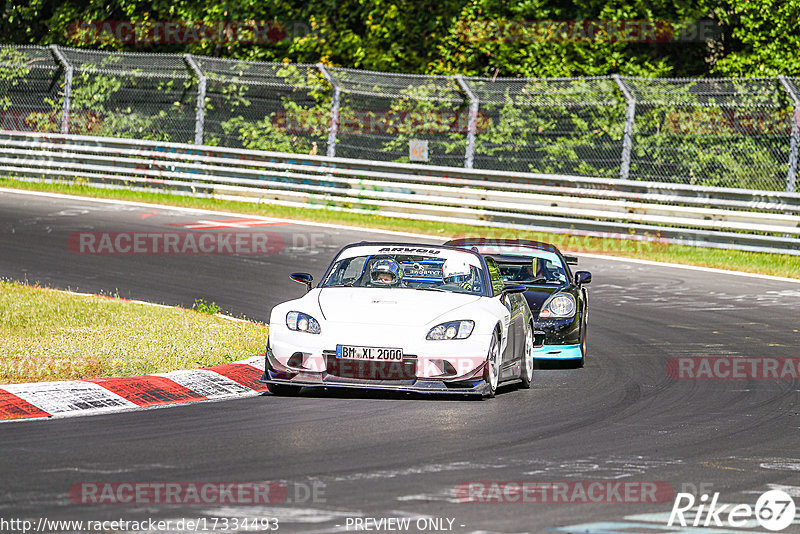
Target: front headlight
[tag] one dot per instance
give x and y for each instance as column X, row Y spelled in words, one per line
column 302, row 322
column 562, row 305
column 451, row 330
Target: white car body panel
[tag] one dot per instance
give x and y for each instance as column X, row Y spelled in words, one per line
column 394, row 317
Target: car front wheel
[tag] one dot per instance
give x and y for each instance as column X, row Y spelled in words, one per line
column 526, row 373
column 492, row 373
column 580, row 363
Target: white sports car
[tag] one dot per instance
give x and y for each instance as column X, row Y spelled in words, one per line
column 398, row 316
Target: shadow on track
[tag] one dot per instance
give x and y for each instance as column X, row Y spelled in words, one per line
column 366, row 394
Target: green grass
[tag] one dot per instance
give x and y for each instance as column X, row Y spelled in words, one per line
column 52, row 335
column 772, row 264
column 203, row 307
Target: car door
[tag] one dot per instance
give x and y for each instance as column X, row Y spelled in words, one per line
column 516, row 305
column 511, row 335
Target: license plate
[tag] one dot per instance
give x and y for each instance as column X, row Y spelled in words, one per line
column 369, row 353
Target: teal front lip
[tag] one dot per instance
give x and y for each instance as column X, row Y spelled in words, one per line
column 558, row 352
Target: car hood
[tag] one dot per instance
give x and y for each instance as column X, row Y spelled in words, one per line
column 537, row 295
column 398, row 306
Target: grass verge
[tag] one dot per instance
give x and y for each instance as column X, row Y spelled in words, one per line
column 53, row 335
column 772, row 264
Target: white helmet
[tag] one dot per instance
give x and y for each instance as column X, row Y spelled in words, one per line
column 456, row 271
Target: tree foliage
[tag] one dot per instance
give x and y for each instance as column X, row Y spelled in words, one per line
column 478, row 37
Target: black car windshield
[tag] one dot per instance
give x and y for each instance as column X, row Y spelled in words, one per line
column 546, row 268
column 454, row 274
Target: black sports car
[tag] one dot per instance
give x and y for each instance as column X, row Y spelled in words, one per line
column 557, row 298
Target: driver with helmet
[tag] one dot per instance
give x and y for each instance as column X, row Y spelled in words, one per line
column 458, row 272
column 386, row 272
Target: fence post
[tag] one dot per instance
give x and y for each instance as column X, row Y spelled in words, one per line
column 65, row 110
column 333, row 128
column 791, row 175
column 200, row 110
column 469, row 154
column 627, row 138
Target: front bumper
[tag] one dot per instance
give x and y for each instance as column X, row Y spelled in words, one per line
column 558, row 352
column 558, row 339
column 431, row 387
column 278, row 374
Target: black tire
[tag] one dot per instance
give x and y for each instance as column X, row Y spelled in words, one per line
column 527, row 365
column 283, row 390
column 492, row 371
column 579, row 363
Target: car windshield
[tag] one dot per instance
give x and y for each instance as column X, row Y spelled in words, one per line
column 546, row 268
column 456, row 273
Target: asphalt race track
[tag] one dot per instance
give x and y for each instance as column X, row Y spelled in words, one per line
column 342, row 456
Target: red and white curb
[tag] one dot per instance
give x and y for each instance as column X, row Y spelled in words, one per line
column 103, row 395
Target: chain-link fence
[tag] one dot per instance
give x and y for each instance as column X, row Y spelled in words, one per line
column 31, row 89
column 265, row 106
column 718, row 132
column 142, row 96
column 565, row 126
column 712, row 132
column 380, row 113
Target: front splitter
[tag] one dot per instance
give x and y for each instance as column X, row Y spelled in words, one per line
column 558, row 352
column 430, row 387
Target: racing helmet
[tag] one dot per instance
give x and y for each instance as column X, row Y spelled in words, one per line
column 456, row 271
column 386, row 272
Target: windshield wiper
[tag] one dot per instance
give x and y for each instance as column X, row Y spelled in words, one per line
column 539, row 281
column 432, row 289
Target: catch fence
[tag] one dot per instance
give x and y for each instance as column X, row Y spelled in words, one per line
column 734, row 133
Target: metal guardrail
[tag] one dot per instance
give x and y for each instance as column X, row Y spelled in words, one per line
column 755, row 220
column 730, row 132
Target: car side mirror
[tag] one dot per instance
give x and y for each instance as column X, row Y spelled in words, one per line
column 302, row 278
column 514, row 289
column 583, row 277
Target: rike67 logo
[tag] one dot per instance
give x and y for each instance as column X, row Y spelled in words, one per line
column 774, row 510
